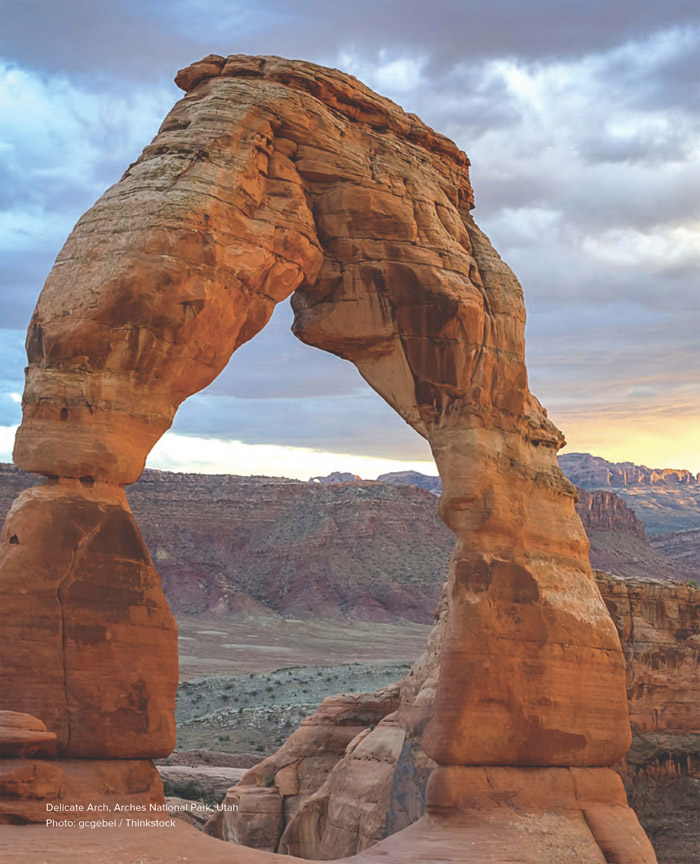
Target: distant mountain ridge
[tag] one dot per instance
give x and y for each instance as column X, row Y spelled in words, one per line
column 414, row 478
column 667, row 500
column 640, row 521
column 594, row 472
column 233, row 545
column 332, row 547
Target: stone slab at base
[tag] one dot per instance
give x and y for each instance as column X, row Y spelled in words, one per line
column 566, row 811
column 28, row 786
column 496, row 837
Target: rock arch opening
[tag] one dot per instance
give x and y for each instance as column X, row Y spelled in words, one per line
column 272, row 179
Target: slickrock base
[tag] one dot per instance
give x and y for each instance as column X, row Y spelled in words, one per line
column 547, row 814
column 27, row 786
column 487, row 816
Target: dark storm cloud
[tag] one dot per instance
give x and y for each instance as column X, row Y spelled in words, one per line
column 138, row 38
column 361, row 424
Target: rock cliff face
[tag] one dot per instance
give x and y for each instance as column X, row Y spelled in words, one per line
column 666, row 499
column 619, row 544
column 378, row 785
column 225, row 544
column 273, row 178
column 605, row 511
column 243, row 545
column 593, row 472
column 680, row 547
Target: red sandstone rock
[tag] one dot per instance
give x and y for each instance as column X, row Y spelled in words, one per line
column 272, row 177
column 659, row 625
column 24, row 735
column 606, row 511
column 284, row 176
column 89, row 645
column 28, row 785
column 299, row 767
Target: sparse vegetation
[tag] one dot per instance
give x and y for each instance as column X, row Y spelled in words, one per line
column 268, row 707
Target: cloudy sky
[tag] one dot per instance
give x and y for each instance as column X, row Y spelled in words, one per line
column 581, row 121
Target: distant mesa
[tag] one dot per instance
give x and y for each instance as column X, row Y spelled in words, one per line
column 414, row 478
column 394, row 478
column 667, row 500
column 593, row 472
column 337, row 477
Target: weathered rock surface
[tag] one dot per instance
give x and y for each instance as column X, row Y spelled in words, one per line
column 299, row 768
column 28, row 785
column 270, row 178
column 200, row 781
column 24, row 735
column 89, row 645
column 378, row 786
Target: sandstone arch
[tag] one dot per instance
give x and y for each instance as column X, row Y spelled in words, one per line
column 272, row 178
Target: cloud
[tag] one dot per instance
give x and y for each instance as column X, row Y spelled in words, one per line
column 175, row 452
column 7, row 442
column 62, row 144
column 362, row 425
column 582, row 126
column 139, row 39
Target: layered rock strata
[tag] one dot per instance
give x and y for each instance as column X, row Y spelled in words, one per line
column 605, row 511
column 273, row 178
column 659, row 625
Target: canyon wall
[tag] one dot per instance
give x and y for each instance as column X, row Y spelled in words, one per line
column 605, row 511
column 666, row 499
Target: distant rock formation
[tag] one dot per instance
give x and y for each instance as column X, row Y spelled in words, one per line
column 413, row 478
column 337, row 477
column 605, row 511
column 665, row 499
column 593, row 472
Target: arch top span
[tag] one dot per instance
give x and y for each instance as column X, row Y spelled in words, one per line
column 273, row 178
column 268, row 177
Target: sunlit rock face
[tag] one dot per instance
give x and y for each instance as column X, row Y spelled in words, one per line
column 272, row 178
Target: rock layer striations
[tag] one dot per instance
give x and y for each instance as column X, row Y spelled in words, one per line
column 272, row 178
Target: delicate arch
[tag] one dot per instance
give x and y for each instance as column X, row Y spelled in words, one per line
column 272, row 178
